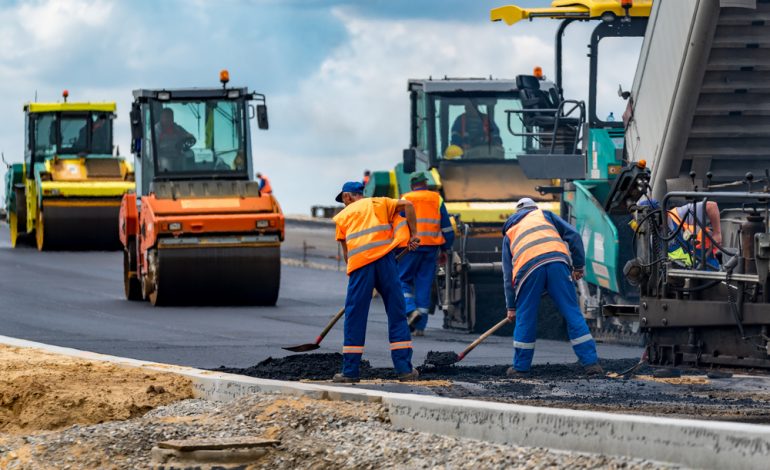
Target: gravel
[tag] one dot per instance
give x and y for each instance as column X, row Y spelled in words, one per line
column 313, row 434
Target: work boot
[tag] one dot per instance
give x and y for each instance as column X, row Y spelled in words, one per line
column 594, row 370
column 419, row 332
column 517, row 374
column 409, row 376
column 344, row 379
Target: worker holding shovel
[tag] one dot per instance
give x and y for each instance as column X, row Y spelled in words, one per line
column 366, row 231
column 538, row 250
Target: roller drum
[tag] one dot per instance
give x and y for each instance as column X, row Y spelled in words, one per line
column 231, row 275
column 84, row 227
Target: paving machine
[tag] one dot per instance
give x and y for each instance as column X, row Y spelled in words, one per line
column 590, row 176
column 198, row 230
column 465, row 141
column 695, row 133
column 67, row 191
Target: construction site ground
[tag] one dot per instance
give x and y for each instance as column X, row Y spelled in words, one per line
column 75, row 299
column 133, row 418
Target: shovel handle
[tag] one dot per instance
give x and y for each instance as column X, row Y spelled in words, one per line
column 484, row 336
column 328, row 328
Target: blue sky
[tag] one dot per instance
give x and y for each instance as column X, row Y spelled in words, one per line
column 334, row 71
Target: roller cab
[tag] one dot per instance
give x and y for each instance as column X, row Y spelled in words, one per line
column 67, row 192
column 198, row 230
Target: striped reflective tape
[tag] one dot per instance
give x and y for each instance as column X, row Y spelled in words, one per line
column 401, row 345
column 448, row 229
column 428, row 221
column 369, row 246
column 377, row 228
column 530, row 231
column 408, row 295
column 423, row 310
column 400, row 225
column 428, row 234
column 352, row 350
column 520, row 251
column 581, row 339
column 522, row 345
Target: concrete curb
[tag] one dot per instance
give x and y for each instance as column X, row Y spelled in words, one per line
column 700, row 444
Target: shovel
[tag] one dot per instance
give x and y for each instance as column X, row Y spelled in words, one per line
column 317, row 344
column 449, row 358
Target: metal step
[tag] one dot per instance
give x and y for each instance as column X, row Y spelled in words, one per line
column 730, row 126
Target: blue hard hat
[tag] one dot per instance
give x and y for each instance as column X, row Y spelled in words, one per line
column 350, row 187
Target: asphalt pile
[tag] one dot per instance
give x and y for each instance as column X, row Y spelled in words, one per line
column 693, row 395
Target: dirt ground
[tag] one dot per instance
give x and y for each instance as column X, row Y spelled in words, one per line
column 40, row 391
column 693, row 395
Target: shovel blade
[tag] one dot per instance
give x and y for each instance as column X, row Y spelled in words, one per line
column 442, row 358
column 302, row 347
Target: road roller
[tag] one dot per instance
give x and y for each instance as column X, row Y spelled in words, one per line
column 67, row 192
column 198, row 231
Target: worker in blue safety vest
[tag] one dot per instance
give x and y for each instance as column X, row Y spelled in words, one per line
column 367, row 233
column 418, row 268
column 538, row 250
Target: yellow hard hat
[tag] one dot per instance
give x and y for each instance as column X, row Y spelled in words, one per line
column 452, row 152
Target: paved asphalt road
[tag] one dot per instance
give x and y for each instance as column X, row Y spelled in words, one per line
column 75, row 299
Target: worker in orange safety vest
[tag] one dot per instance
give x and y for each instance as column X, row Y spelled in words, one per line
column 417, row 269
column 543, row 253
column 264, row 184
column 367, row 235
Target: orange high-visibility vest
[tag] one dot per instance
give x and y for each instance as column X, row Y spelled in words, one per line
column 427, row 207
column 266, row 189
column 533, row 236
column 688, row 230
column 369, row 231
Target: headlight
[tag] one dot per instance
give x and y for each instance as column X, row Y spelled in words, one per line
column 175, row 226
column 163, row 96
column 262, row 223
column 233, row 94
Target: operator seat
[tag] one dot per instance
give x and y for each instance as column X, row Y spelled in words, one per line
column 532, row 97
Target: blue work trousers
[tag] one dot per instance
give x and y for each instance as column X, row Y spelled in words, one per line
column 383, row 276
column 417, row 270
column 554, row 278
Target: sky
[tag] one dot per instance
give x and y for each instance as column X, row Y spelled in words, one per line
column 334, row 71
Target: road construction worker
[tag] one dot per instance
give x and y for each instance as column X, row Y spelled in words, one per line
column 367, row 177
column 264, row 184
column 539, row 250
column 174, row 142
column 474, row 129
column 690, row 241
column 366, row 231
column 418, row 268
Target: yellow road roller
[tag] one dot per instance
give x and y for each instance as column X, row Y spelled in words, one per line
column 66, row 194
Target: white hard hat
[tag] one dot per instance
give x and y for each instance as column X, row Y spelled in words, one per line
column 525, row 202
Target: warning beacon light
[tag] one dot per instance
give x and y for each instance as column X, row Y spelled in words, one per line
column 65, row 94
column 224, row 77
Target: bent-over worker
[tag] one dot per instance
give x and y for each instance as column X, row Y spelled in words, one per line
column 537, row 245
column 418, row 268
column 367, row 235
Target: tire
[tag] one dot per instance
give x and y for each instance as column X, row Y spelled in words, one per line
column 132, row 287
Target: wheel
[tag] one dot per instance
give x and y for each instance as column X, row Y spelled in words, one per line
column 132, row 287
column 40, row 237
